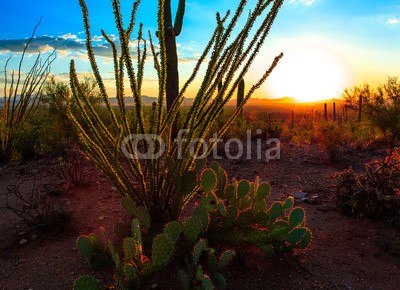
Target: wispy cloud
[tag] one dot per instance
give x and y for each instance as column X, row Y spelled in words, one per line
column 71, row 46
column 393, row 20
column 305, row 2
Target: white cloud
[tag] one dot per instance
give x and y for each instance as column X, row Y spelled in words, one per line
column 393, row 20
column 98, row 38
column 305, row 2
column 69, row 36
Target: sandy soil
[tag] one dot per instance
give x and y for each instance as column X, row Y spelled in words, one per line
column 346, row 253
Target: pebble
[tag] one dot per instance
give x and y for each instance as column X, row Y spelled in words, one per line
column 23, row 242
column 34, row 237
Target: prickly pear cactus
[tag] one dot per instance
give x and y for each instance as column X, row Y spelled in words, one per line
column 238, row 212
column 94, row 251
column 199, row 276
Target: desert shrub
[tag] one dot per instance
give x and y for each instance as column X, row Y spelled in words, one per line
column 331, row 136
column 28, row 145
column 235, row 213
column 21, row 96
column 56, row 131
column 375, row 193
column 380, row 105
column 72, row 166
column 36, row 207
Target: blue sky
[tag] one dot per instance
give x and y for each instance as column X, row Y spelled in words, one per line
column 335, row 43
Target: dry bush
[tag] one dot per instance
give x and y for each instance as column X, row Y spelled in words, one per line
column 36, row 207
column 331, row 136
column 375, row 193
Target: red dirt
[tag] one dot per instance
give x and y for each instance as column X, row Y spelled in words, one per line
column 346, row 253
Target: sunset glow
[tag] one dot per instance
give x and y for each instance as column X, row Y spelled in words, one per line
column 328, row 45
column 309, row 73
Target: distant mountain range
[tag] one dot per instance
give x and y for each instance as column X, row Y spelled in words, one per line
column 253, row 102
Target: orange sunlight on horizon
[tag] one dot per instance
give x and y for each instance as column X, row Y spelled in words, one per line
column 309, row 73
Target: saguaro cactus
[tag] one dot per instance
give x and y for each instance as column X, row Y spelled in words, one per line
column 334, row 111
column 240, row 95
column 171, row 32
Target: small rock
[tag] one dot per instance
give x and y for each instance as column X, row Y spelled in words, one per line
column 34, row 237
column 113, row 188
column 101, row 217
column 300, row 195
column 21, row 233
column 23, row 242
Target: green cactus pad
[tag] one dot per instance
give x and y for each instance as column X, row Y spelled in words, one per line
column 306, row 240
column 173, row 230
column 96, row 243
column 140, row 212
column 212, row 262
column 260, row 206
column 230, row 193
column 225, row 258
column 263, row 191
column 202, row 214
column 261, row 217
column 215, row 166
column 243, row 188
column 132, row 249
column 85, row 246
column 275, row 211
column 136, row 233
column 192, row 228
column 296, row 235
column 244, row 219
column 87, row 283
column 245, row 203
column 221, row 209
column 200, row 246
column 208, row 180
column 162, row 250
column 296, row 217
column 289, row 203
column 222, row 178
column 206, row 283
column 257, row 237
column 131, row 273
column 236, row 237
column 278, row 230
column 231, row 214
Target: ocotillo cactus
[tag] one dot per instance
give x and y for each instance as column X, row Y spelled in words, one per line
column 240, row 95
column 360, row 102
column 220, row 84
column 326, row 112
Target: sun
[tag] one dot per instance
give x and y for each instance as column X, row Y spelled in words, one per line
column 309, row 73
